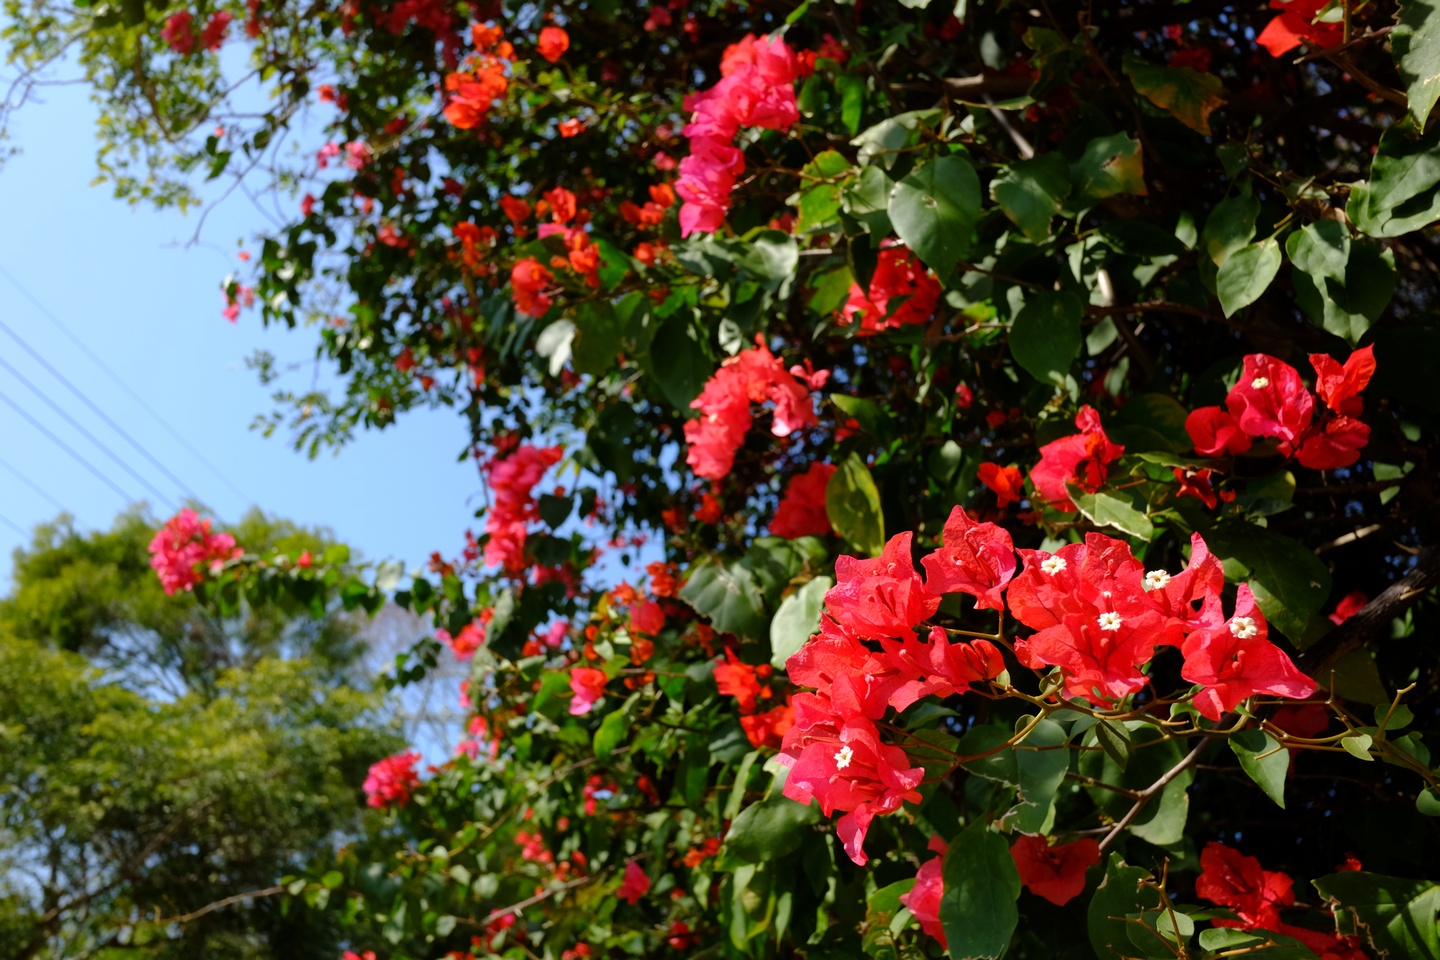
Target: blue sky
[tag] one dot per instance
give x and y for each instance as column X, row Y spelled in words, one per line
column 125, row 281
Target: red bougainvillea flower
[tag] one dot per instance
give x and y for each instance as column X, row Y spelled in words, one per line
column 735, row 678
column 464, row 645
column 589, row 686
column 902, row 291
column 528, row 281
column 516, row 210
column 1349, row 605
column 184, row 550
column 646, row 617
column 390, row 781
column 1269, row 400
column 1215, row 433
column 801, row 512
column 553, row 43
column 1056, row 873
column 883, row 597
column 1231, row 879
column 179, row 32
column 848, row 677
column 1234, row 660
column 846, row 767
column 1339, row 387
column 512, row 478
column 923, row 900
column 1196, row 483
column 635, row 885
column 977, row 558
column 213, row 36
column 1336, row 443
column 1176, row 596
column 1081, row 459
column 1296, row 23
column 1007, row 483
column 1094, row 620
column 751, row 376
column 768, row 729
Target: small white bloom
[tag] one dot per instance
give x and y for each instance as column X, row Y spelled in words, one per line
column 1260, row 383
column 1156, row 580
column 1109, row 620
column 843, row 756
column 1052, row 565
column 1243, row 627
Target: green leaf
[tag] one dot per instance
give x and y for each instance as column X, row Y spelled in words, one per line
column 1188, row 95
column 1162, row 821
column 1041, row 762
column 1264, row 761
column 1045, row 336
column 768, row 829
column 678, row 362
column 726, row 593
column 820, row 203
column 1415, row 45
column 1231, row 226
column 1290, row 583
column 797, row 620
column 1259, row 944
column 885, row 140
column 1031, row 192
column 852, row 100
column 1321, row 249
column 853, row 505
column 1403, row 192
column 872, row 417
column 1246, row 274
column 1108, row 510
column 1115, row 741
column 934, row 211
column 613, row 730
column 977, row 909
column 555, row 510
column 829, row 289
column 1396, row 915
column 1346, row 307
column 1428, row 802
column 1358, row 745
column 867, row 199
column 770, row 257
column 1118, row 896
column 1109, row 166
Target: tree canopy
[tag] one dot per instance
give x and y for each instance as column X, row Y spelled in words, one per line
column 1024, row 406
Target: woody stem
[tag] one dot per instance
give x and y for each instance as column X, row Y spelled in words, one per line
column 1150, row 792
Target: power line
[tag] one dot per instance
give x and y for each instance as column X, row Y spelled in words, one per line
column 85, row 433
column 97, row 411
column 35, row 486
column 80, row 345
column 67, row 448
column 11, row 524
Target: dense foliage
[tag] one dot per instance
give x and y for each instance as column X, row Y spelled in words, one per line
column 838, row 305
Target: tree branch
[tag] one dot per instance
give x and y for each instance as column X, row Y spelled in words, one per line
column 1374, row 617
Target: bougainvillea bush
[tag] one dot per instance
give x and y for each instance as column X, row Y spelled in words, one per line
column 1014, row 427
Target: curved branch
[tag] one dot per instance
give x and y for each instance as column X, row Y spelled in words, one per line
column 1374, row 618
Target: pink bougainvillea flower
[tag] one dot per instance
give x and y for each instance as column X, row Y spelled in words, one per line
column 512, row 479
column 1057, row 872
column 184, row 551
column 1234, row 659
column 802, row 512
column 589, row 686
column 923, row 900
column 751, row 376
column 977, row 558
column 391, row 781
column 1082, row 459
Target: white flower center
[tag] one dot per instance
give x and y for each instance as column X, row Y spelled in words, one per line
column 1243, row 627
column 1260, row 383
column 843, row 757
column 1052, row 565
column 1109, row 620
column 1156, row 580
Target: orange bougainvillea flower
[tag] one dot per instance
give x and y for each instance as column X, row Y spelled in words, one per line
column 553, row 43
column 1007, row 482
column 571, row 128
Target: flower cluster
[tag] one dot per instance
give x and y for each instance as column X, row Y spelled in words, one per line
column 751, row 376
column 747, row 684
column 1256, row 896
column 1270, row 402
column 902, row 291
column 1098, row 617
column 473, row 91
column 180, row 34
column 183, row 550
column 512, row 478
column 1081, row 459
column 756, row 90
column 391, row 781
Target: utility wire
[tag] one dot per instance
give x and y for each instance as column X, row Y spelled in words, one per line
column 80, row 345
column 35, row 486
column 97, row 411
column 85, row 433
column 67, row 448
column 11, row 524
